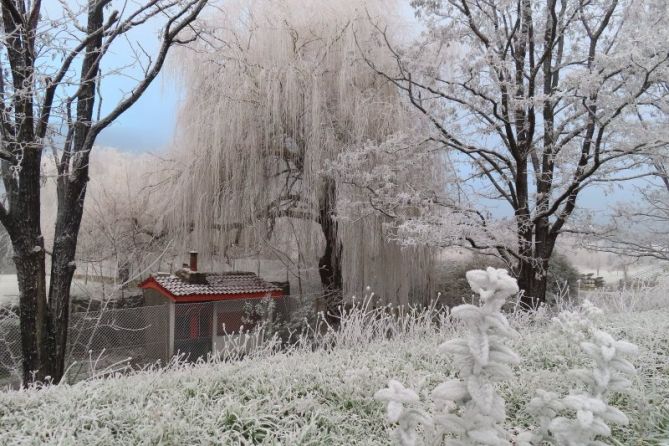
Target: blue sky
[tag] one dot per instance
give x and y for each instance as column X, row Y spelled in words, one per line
column 149, row 124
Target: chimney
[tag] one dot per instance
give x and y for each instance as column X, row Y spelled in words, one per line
column 189, row 273
column 193, row 261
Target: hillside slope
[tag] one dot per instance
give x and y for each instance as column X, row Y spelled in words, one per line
column 318, row 398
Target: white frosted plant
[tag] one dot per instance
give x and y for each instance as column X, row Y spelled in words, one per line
column 482, row 359
column 408, row 418
column 590, row 414
column 468, row 409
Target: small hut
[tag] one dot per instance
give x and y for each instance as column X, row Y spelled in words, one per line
column 205, row 308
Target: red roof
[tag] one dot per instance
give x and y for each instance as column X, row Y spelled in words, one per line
column 218, row 286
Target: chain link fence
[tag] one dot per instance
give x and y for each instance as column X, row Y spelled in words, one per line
column 110, row 340
column 114, row 340
column 10, row 348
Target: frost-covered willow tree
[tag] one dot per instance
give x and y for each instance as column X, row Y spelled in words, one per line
column 265, row 113
column 537, row 100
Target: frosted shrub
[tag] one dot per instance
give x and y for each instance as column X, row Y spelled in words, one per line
column 468, row 408
column 397, row 396
column 469, row 411
column 481, row 359
column 590, row 415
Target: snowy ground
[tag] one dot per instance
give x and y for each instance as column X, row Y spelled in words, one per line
column 323, row 397
column 9, row 289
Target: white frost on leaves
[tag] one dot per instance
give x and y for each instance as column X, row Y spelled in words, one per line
column 493, row 285
column 590, row 414
column 469, row 409
column 408, row 418
column 396, row 395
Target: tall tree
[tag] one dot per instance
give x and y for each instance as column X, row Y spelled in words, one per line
column 536, row 100
column 264, row 116
column 52, row 68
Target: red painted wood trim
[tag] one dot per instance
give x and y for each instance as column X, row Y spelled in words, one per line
column 194, row 326
column 152, row 284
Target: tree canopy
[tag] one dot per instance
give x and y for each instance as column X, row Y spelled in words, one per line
column 273, row 97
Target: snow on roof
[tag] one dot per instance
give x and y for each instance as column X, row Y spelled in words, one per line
column 234, row 282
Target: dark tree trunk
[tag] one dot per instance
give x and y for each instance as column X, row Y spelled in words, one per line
column 63, row 266
column 30, row 272
column 532, row 270
column 533, row 282
column 25, row 233
column 329, row 265
column 44, row 323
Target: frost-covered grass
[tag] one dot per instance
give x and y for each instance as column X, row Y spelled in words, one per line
column 325, row 396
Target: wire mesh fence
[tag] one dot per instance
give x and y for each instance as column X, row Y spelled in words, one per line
column 104, row 341
column 10, row 348
column 113, row 340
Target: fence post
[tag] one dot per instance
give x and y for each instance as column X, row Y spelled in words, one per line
column 170, row 345
column 214, row 328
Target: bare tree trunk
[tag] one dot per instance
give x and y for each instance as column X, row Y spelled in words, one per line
column 63, row 266
column 329, row 265
column 29, row 259
column 533, row 282
column 30, row 272
column 534, row 264
column 44, row 323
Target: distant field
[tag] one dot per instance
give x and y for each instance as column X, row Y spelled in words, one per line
column 9, row 289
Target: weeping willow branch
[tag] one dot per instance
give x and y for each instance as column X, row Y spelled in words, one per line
column 264, row 114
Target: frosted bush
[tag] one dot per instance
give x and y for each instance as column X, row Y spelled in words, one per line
column 590, row 415
column 396, row 395
column 469, row 411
